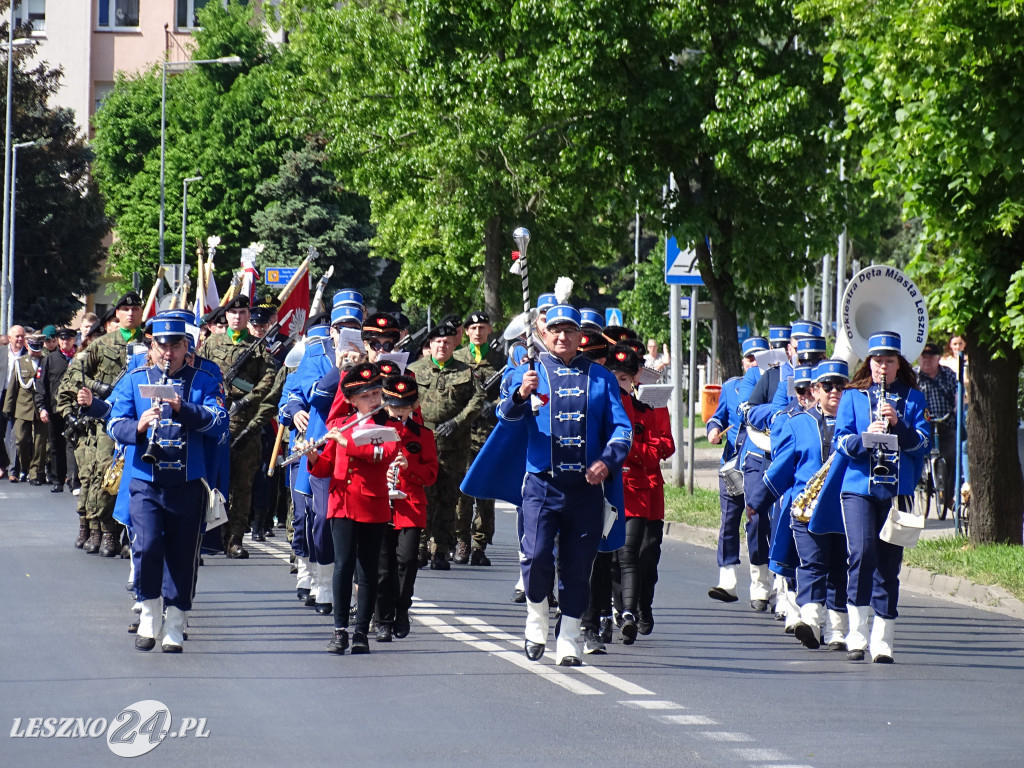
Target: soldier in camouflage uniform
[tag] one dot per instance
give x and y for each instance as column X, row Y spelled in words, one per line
column 450, row 400
column 85, row 447
column 103, row 362
column 486, row 362
column 245, row 394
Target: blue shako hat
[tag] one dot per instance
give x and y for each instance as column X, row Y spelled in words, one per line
column 546, row 300
column 167, row 330
column 803, row 375
column 754, row 344
column 886, row 343
column 810, row 345
column 832, row 369
column 591, row 317
column 563, row 314
column 804, row 328
column 779, row 334
column 347, row 298
column 318, row 332
column 346, row 312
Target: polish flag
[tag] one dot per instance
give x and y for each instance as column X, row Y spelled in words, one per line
column 250, row 276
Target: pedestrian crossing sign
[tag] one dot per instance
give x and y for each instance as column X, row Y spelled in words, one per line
column 681, row 266
column 613, row 316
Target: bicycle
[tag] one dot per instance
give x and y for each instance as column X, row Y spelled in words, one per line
column 934, row 482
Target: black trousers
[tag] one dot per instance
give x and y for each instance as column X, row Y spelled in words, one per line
column 600, row 592
column 650, row 556
column 62, row 455
column 626, row 576
column 396, row 572
column 356, row 552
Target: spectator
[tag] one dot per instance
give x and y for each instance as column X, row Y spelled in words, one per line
column 655, row 361
column 938, row 384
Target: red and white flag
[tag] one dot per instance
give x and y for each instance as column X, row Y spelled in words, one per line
column 294, row 312
column 250, row 275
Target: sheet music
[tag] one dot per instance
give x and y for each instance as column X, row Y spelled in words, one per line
column 350, row 340
column 401, row 359
column 655, row 395
column 648, row 376
column 766, row 358
column 157, row 391
column 377, row 435
column 886, row 440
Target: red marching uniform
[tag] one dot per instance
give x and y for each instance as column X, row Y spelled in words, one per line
column 658, row 431
column 419, row 448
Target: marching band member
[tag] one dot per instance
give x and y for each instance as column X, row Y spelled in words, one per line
column 577, row 440
column 881, row 398
column 168, row 498
column 399, row 547
column 359, row 507
column 658, row 432
column 727, row 422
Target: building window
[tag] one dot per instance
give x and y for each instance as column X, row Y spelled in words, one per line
column 100, row 91
column 118, row 13
column 187, row 12
column 31, row 12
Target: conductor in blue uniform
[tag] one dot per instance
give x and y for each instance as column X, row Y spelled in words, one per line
column 168, row 496
column 577, row 439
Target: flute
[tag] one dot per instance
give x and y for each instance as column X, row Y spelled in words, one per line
column 298, row 453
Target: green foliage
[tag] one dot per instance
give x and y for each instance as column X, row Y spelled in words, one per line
column 58, row 216
column 701, row 509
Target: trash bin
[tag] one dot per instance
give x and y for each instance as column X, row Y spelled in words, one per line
column 709, row 395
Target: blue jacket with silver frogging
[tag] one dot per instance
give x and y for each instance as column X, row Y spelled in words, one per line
column 856, row 412
column 183, row 439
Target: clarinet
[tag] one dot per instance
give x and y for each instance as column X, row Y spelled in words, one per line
column 150, row 455
column 882, row 461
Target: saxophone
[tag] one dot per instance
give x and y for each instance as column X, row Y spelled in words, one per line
column 803, row 505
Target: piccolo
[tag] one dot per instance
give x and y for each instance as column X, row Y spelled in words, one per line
column 298, row 453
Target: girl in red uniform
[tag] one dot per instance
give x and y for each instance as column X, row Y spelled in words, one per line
column 358, row 506
column 398, row 553
column 658, row 433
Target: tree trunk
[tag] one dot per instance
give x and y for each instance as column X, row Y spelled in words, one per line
column 492, row 271
column 997, row 492
column 728, row 342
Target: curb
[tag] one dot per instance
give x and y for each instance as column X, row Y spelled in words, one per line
column 918, row 580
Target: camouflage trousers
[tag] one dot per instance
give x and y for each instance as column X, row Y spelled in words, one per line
column 480, row 525
column 245, row 461
column 442, row 498
column 99, row 506
column 84, row 458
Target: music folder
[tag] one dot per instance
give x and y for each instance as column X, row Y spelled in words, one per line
column 655, row 395
column 157, row 391
column 886, row 440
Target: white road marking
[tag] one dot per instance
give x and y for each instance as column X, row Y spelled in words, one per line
column 657, row 704
column 689, row 720
column 726, row 736
column 759, row 755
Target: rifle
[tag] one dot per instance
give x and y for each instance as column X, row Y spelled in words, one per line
column 413, row 341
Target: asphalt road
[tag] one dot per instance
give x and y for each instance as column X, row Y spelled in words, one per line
column 715, row 685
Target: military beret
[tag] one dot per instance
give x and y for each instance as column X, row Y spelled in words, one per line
column 442, row 329
column 474, row 318
column 403, row 320
column 364, row 377
column 50, row 331
column 239, row 302
column 130, row 299
column 453, row 319
column 400, row 390
column 215, row 317
column 109, row 315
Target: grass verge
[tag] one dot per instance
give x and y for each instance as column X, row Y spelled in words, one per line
column 702, row 509
column 998, row 564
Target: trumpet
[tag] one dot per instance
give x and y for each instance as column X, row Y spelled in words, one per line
column 393, row 493
column 303, row 446
column 150, row 455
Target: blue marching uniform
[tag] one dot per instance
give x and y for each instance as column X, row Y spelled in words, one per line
column 582, row 421
column 727, row 419
column 754, row 460
column 168, row 497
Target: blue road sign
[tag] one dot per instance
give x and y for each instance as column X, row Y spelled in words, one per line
column 279, row 275
column 681, row 266
column 613, row 316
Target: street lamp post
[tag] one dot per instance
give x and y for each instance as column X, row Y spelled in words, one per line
column 6, row 269
column 184, row 216
column 174, row 67
column 10, row 233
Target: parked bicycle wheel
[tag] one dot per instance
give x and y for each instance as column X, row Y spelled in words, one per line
column 923, row 495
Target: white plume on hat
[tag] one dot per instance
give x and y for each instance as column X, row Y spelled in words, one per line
column 563, row 287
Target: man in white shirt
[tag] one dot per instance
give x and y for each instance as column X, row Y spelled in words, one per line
column 15, row 348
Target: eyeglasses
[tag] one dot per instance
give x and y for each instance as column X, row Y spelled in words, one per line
column 381, row 346
column 828, row 386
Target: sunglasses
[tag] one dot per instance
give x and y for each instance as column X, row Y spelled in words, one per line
column 802, row 391
column 381, row 346
column 828, row 386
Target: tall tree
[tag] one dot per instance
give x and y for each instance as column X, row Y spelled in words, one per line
column 933, row 92
column 58, row 214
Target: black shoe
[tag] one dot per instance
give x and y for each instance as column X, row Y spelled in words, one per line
column 258, row 537
column 806, row 635
column 592, row 643
column 302, row 593
column 479, row 558
column 837, row 645
column 384, row 632
column 310, row 601
column 324, row 609
column 518, row 596
column 83, row 533
column 422, row 557
column 292, row 570
column 109, row 546
column 269, row 533
column 33, row 481
column 882, row 658
column 92, row 546
column 570, row 661
column 145, row 643
column 645, row 621
column 552, row 600
column 133, row 627
column 57, row 488
column 401, row 628
column 761, row 606
column 605, row 632
column 359, row 643
column 857, row 654
column 461, row 553
column 439, row 563
column 237, row 552
column 627, row 632
column 717, row 593
column 339, row 642
column 534, row 651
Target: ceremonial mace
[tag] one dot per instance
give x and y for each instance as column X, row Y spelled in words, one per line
column 522, row 238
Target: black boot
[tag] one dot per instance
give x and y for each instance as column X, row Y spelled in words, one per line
column 92, row 546
column 83, row 532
